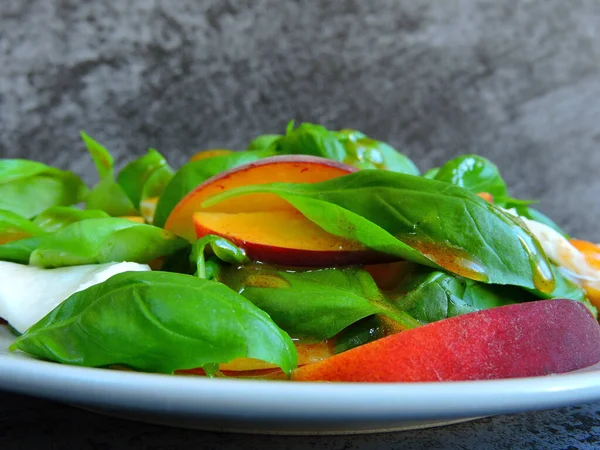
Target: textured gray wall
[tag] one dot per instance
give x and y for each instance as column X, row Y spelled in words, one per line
column 518, row 82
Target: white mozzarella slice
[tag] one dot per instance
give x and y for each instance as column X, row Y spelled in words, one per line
column 29, row 293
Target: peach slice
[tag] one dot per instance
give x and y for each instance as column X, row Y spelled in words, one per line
column 283, row 237
column 254, row 368
column 286, row 169
column 388, row 275
column 204, row 154
column 591, row 252
column 520, row 340
column 307, row 354
column 5, row 239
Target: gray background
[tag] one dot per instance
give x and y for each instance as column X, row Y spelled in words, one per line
column 518, row 82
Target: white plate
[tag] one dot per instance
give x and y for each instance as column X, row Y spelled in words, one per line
column 284, row 407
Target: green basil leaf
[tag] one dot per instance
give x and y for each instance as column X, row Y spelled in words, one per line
column 221, row 248
column 431, row 173
column 485, row 296
column 194, row 173
column 430, row 296
column 366, row 153
column 314, row 304
column 97, row 241
column 179, row 262
column 107, row 195
column 310, row 139
column 156, row 183
column 102, row 158
column 425, row 221
column 19, row 251
column 27, row 187
column 145, row 177
column 58, row 217
column 475, row 173
column 362, row 332
column 509, row 202
column 263, row 141
column 16, row 169
column 157, row 322
column 14, row 227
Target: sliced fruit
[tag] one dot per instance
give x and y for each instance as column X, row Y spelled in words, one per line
column 307, row 354
column 292, row 169
column 520, row 340
column 254, row 368
column 282, row 237
column 590, row 250
column 388, row 275
column 590, row 279
column 204, row 154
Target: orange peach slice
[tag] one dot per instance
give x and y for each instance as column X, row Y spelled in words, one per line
column 254, row 368
column 591, row 285
column 210, row 154
column 521, row 340
column 283, row 237
column 286, row 169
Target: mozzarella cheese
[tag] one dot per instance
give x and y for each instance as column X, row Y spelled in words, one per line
column 29, row 293
column 560, row 251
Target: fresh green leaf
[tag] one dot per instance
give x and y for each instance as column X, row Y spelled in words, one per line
column 425, row 221
column 157, row 322
column 179, row 262
column 431, row 173
column 102, row 158
column 263, row 141
column 314, row 304
column 19, row 251
column 97, row 241
column 107, row 195
column 58, row 217
column 485, row 296
column 310, row 139
column 475, row 173
column 430, row 296
column 145, row 177
column 290, row 126
column 156, row 183
column 509, row 202
column 16, row 169
column 27, row 187
column 221, row 248
column 366, row 153
column 14, row 227
column 360, row 333
column 195, row 173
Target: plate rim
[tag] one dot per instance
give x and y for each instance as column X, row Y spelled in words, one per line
column 232, row 399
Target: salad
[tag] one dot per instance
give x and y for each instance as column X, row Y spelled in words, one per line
column 315, row 255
